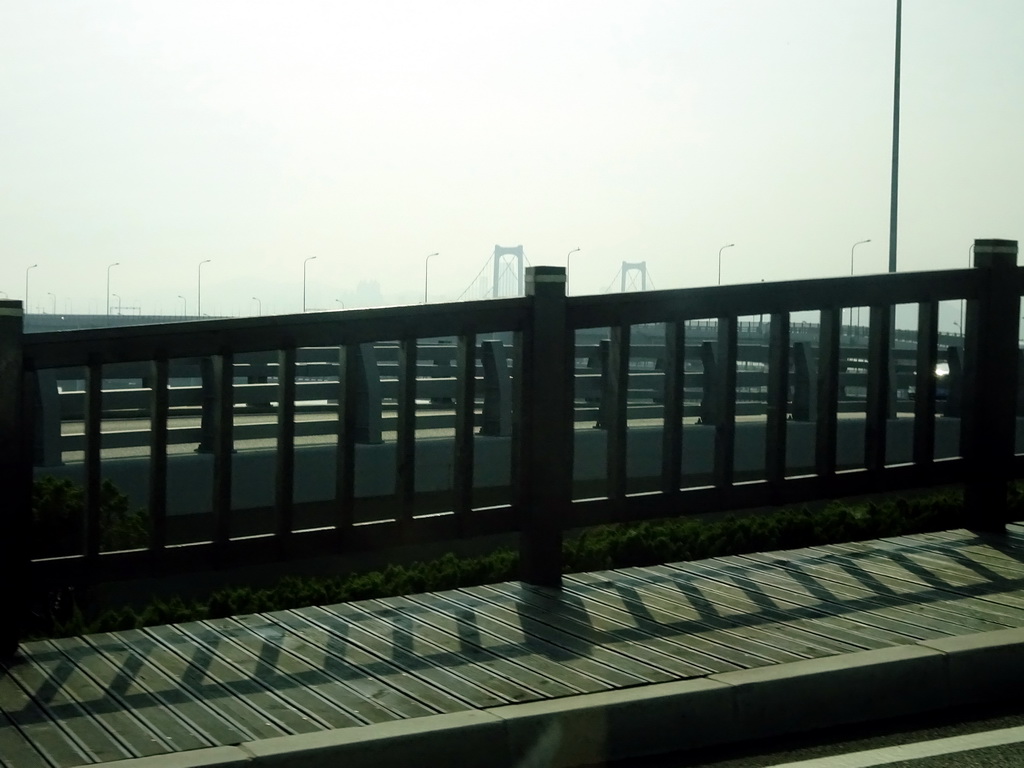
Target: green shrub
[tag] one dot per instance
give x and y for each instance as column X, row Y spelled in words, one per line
column 599, row 548
column 58, row 518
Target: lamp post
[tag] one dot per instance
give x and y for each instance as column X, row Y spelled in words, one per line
column 26, row 286
column 259, row 306
column 730, row 245
column 970, row 263
column 199, row 287
column 893, row 192
column 53, row 299
column 570, row 253
column 426, row 274
column 184, row 305
column 339, row 301
column 304, row 263
column 852, row 249
column 116, row 296
column 110, row 267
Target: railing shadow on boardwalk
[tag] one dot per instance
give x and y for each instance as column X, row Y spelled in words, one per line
column 538, row 403
column 230, row 680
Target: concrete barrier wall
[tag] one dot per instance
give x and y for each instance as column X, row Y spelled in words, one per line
column 190, row 475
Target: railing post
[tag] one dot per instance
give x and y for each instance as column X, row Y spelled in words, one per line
column 545, row 440
column 989, row 421
column 15, row 478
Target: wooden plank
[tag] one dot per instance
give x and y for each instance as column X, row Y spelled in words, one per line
column 52, row 739
column 251, row 658
column 664, row 606
column 16, row 749
column 137, row 673
column 821, row 614
column 720, row 613
column 164, row 730
column 224, row 665
column 66, row 695
column 189, row 666
column 413, row 654
column 355, row 669
column 580, row 659
column 553, row 610
column 431, row 687
column 501, row 656
column 406, row 625
column 503, row 633
column 623, row 633
column 867, row 591
column 610, row 610
column 783, row 619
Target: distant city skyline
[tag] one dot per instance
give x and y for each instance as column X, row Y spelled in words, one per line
column 258, row 135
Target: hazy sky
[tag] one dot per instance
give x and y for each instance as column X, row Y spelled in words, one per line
column 370, row 134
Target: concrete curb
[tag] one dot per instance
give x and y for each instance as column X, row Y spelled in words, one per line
column 656, row 719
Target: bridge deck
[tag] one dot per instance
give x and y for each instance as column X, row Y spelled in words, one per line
column 182, row 687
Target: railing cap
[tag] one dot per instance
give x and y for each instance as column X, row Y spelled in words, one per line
column 995, row 253
column 11, row 308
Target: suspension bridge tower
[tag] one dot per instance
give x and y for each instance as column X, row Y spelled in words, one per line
column 509, row 273
column 634, row 276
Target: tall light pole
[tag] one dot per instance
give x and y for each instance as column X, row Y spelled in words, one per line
column 26, row 286
column 116, row 296
column 852, row 249
column 426, row 274
column 970, row 263
column 304, row 263
column 259, row 306
column 730, row 245
column 184, row 305
column 894, row 191
column 570, row 253
column 110, row 267
column 53, row 299
column 199, row 287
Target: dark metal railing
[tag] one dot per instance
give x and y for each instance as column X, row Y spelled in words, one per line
column 537, row 378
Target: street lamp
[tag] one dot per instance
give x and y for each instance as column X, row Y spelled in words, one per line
column 893, row 192
column 184, row 305
column 730, row 245
column 53, row 298
column 259, row 306
column 970, row 263
column 339, row 301
column 199, row 287
column 110, row 267
column 852, row 249
column 304, row 263
column 570, row 253
column 26, row 286
column 426, row 274
column 116, row 296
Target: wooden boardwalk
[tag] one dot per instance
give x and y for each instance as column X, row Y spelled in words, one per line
column 173, row 688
